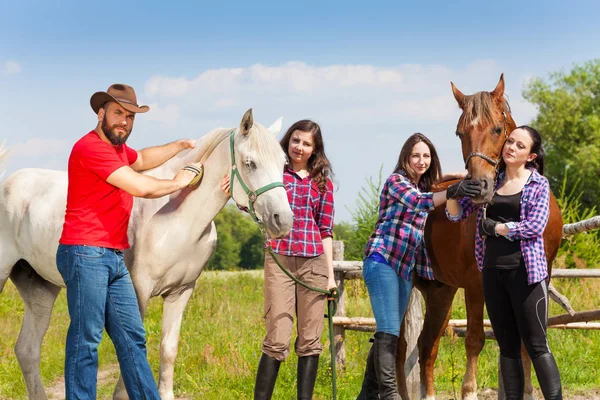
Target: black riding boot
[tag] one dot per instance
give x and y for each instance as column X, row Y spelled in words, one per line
column 307, row 376
column 370, row 387
column 548, row 376
column 385, row 347
column 268, row 368
column 513, row 377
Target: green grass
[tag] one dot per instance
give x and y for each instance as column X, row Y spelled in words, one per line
column 223, row 328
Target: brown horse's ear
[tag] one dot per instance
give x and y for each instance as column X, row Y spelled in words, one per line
column 247, row 122
column 498, row 92
column 458, row 95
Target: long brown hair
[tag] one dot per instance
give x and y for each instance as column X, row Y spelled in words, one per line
column 319, row 166
column 433, row 173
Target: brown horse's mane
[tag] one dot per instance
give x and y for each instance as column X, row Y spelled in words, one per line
column 481, row 106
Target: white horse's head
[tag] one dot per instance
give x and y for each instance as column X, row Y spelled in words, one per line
column 259, row 160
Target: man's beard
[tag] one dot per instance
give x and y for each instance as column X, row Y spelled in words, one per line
column 111, row 134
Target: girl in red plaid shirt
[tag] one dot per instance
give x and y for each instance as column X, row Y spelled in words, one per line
column 307, row 253
column 510, row 252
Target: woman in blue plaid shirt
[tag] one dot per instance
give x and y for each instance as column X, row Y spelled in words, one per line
column 395, row 249
column 510, row 252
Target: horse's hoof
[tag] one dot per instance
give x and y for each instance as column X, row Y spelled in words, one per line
column 470, row 396
column 167, row 396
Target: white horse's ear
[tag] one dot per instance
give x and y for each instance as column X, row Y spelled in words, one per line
column 276, row 127
column 247, row 122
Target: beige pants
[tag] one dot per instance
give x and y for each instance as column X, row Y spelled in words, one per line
column 283, row 296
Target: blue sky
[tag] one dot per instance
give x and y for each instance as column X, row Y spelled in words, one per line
column 371, row 73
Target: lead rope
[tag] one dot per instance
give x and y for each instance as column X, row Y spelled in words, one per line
column 332, row 299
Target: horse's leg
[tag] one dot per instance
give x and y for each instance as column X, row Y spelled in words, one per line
column 38, row 297
column 173, row 308
column 474, row 339
column 438, row 304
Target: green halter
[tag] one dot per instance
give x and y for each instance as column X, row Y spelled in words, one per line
column 252, row 195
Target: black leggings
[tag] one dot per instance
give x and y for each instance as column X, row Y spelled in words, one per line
column 517, row 311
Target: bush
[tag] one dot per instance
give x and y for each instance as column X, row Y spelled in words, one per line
column 581, row 250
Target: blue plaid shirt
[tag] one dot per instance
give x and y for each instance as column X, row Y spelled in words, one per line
column 398, row 235
column 535, row 211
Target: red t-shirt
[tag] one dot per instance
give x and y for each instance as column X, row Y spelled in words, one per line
column 97, row 212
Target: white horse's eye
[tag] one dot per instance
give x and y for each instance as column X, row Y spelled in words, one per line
column 251, row 165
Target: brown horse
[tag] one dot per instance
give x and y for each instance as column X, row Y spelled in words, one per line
column 483, row 127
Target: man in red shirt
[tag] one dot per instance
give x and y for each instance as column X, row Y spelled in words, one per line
column 104, row 175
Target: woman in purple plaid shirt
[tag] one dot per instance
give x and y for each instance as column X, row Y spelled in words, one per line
column 510, row 252
column 396, row 249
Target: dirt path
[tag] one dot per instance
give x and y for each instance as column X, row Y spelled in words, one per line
column 107, row 379
column 105, row 376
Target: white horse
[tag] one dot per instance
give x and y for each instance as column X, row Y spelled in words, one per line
column 171, row 238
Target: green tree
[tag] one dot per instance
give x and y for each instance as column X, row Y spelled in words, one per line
column 239, row 241
column 569, row 121
column 364, row 218
column 342, row 231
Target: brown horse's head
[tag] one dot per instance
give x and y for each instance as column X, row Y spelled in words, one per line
column 483, row 127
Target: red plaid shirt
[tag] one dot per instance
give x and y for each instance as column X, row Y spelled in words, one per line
column 313, row 217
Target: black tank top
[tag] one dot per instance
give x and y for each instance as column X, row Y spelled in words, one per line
column 500, row 252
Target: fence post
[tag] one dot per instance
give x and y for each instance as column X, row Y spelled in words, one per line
column 339, row 337
column 413, row 321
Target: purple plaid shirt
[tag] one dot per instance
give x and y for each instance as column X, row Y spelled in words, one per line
column 398, row 235
column 529, row 230
column 313, row 217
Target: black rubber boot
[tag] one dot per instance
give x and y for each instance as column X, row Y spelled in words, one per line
column 513, row 377
column 268, row 368
column 548, row 376
column 385, row 347
column 370, row 387
column 307, row 376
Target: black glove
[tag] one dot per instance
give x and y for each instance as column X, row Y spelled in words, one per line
column 488, row 227
column 463, row 188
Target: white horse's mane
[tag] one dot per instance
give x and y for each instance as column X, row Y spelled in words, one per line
column 260, row 141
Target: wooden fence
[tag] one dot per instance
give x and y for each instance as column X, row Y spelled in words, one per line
column 346, row 270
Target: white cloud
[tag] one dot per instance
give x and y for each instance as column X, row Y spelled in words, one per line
column 366, row 111
column 167, row 115
column 10, row 68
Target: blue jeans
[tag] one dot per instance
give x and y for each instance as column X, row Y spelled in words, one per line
column 100, row 295
column 389, row 294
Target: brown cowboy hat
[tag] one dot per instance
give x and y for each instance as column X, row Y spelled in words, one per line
column 119, row 93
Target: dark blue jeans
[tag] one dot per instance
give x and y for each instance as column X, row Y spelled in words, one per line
column 100, row 295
